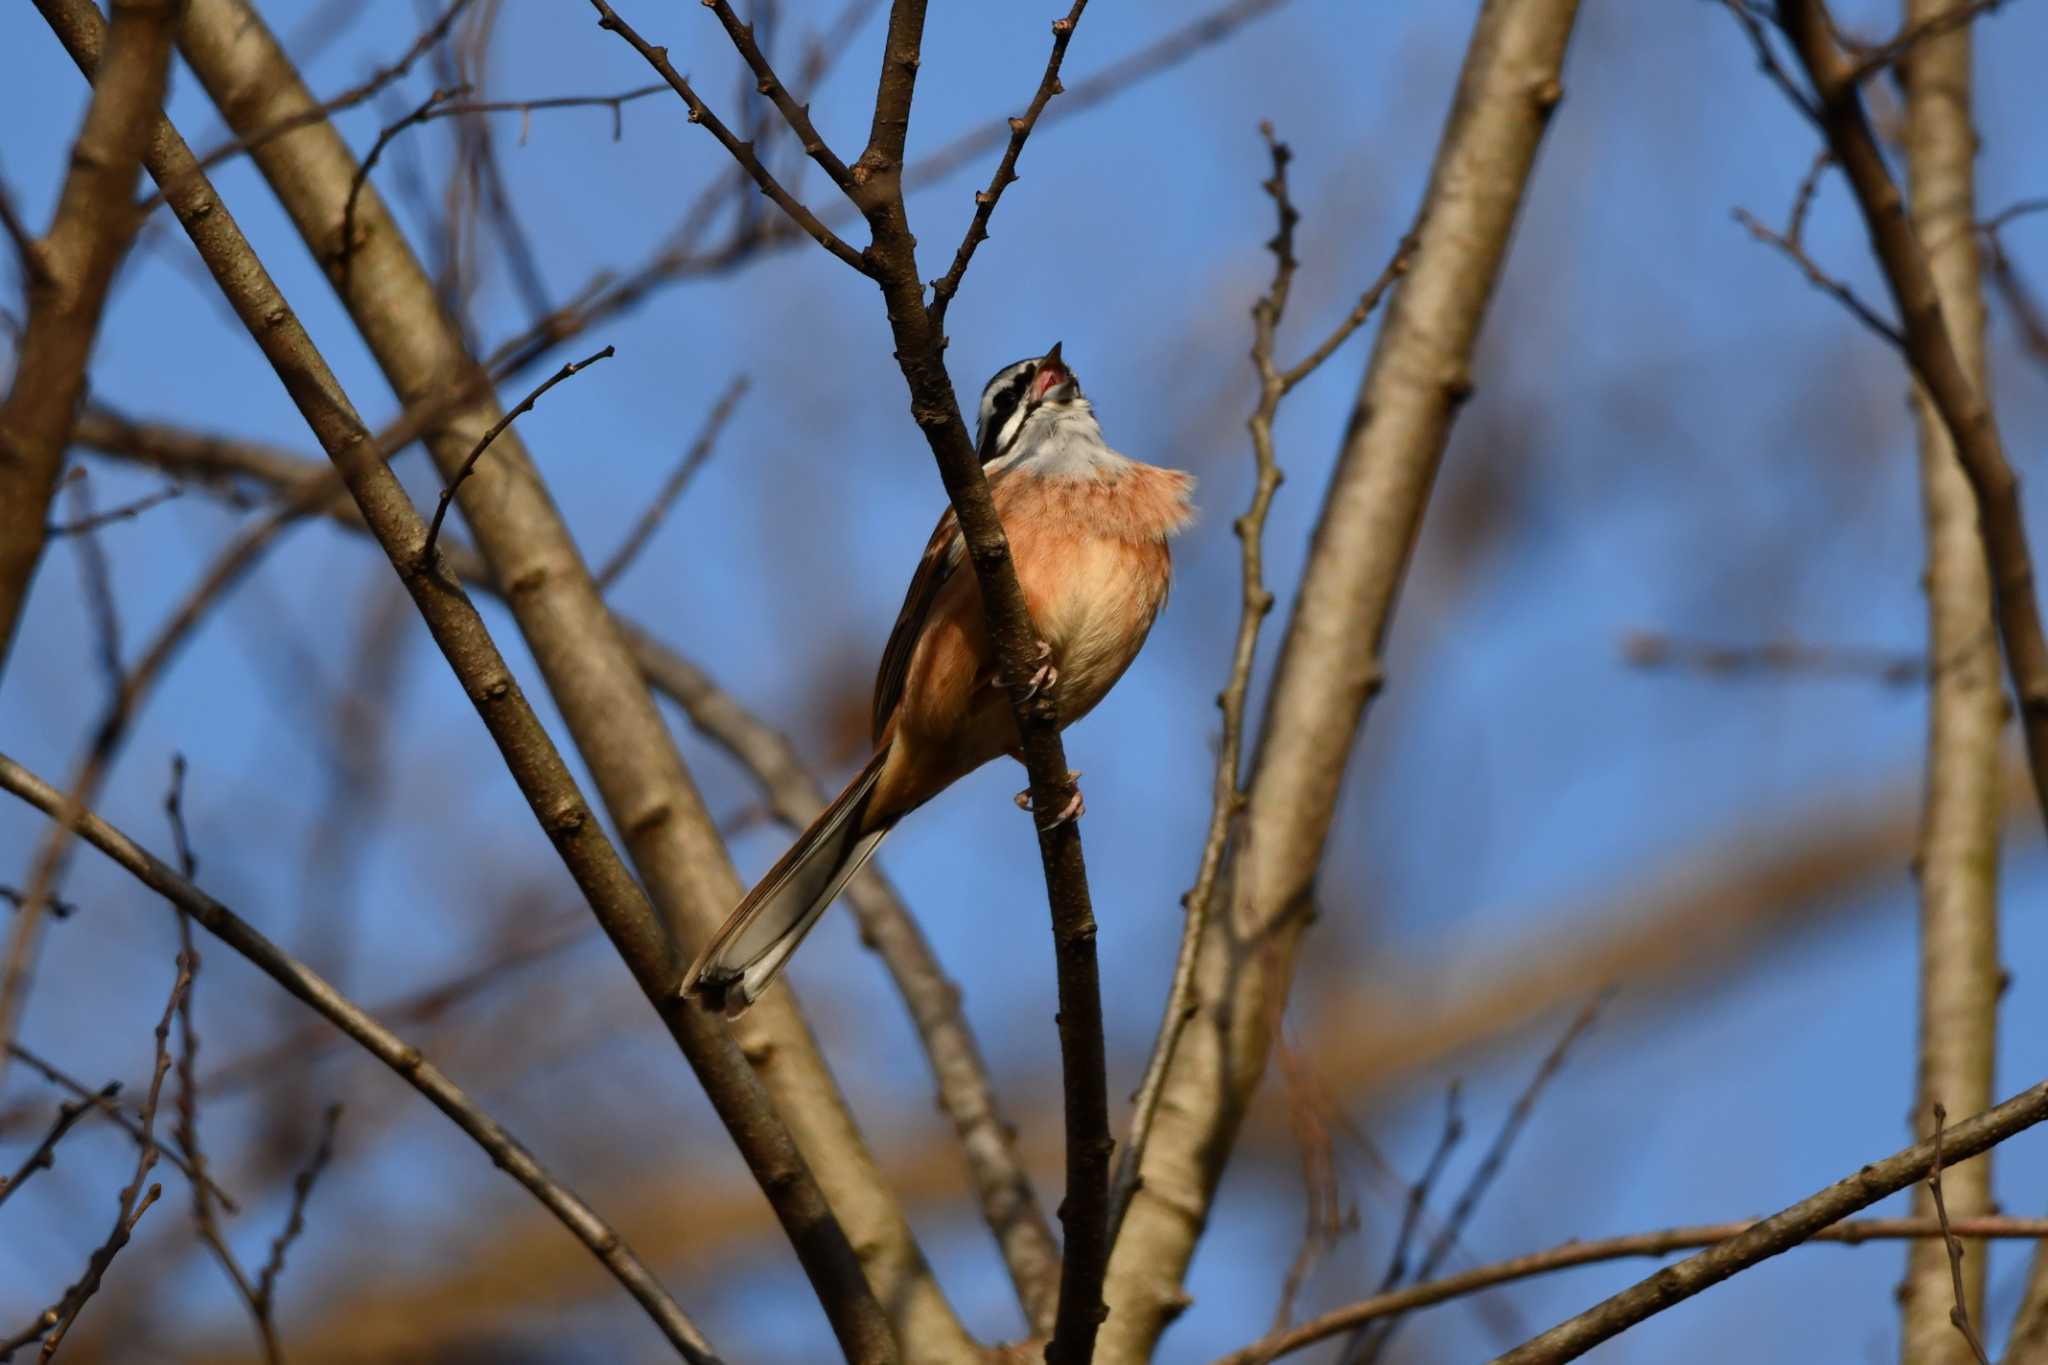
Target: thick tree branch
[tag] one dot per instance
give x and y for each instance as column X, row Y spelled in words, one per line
column 1329, row 665
column 535, row 764
column 1957, row 863
column 67, row 288
column 646, row 789
column 1780, row 1232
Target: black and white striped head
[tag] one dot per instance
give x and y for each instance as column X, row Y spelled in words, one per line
column 1015, row 393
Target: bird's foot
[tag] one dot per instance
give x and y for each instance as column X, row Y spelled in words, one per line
column 1073, row 810
column 1046, row 676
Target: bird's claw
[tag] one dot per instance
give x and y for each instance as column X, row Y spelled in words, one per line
column 1072, row 811
column 1046, row 675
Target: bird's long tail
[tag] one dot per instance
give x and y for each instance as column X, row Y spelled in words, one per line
column 758, row 937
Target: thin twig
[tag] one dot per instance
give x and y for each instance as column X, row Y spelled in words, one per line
column 1960, row 1313
column 295, row 1217
column 1650, row 650
column 672, row 487
column 1418, row 1193
column 524, row 405
column 344, row 251
column 112, row 1110
column 797, row 116
column 1370, row 1349
column 428, row 39
column 1821, row 280
column 742, row 152
column 1255, row 603
column 125, row 512
column 54, row 1322
column 1887, row 53
column 44, row 1155
column 526, row 108
column 947, row 285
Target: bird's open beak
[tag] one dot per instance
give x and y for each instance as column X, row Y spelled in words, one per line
column 1052, row 372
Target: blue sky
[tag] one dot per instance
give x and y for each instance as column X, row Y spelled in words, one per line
column 1671, row 431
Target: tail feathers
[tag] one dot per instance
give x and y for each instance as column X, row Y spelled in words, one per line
column 755, row 941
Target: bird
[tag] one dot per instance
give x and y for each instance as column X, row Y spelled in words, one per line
column 1088, row 531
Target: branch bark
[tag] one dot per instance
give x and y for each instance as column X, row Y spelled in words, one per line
column 69, row 273
column 1330, row 660
column 1958, row 857
column 640, row 777
column 1780, row 1232
column 543, row 777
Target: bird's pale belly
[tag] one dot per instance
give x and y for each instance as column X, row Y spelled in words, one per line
column 1095, row 614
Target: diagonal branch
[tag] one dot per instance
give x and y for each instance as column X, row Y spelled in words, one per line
column 1780, row 1232
column 403, row 1058
column 742, row 152
column 797, row 116
column 947, row 285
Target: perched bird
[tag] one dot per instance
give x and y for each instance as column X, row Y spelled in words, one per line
column 1088, row 530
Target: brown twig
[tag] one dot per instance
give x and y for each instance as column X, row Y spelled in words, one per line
column 204, row 1223
column 1591, row 1251
column 44, row 1154
column 526, row 108
column 132, row 688
column 51, row 1326
column 449, row 489
column 1255, row 603
column 114, row 1114
column 1820, row 279
column 1918, row 31
column 403, row 1058
column 1893, row 668
column 947, row 285
column 797, row 116
column 673, row 486
column 344, row 252
column 891, row 260
column 125, row 512
column 428, row 39
column 742, row 152
column 1374, row 1344
column 1960, row 1313
column 295, row 1216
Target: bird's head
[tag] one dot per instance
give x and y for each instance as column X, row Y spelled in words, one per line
column 1015, row 393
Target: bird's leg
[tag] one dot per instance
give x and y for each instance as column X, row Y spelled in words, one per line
column 1073, row 810
column 1046, row 676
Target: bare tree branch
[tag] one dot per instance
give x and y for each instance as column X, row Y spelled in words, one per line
column 672, row 487
column 44, row 1153
column 74, row 266
column 1591, row 1251
column 1780, row 1232
column 1330, row 660
column 1957, row 862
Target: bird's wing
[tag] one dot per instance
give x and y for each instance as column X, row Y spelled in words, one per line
column 943, row 555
